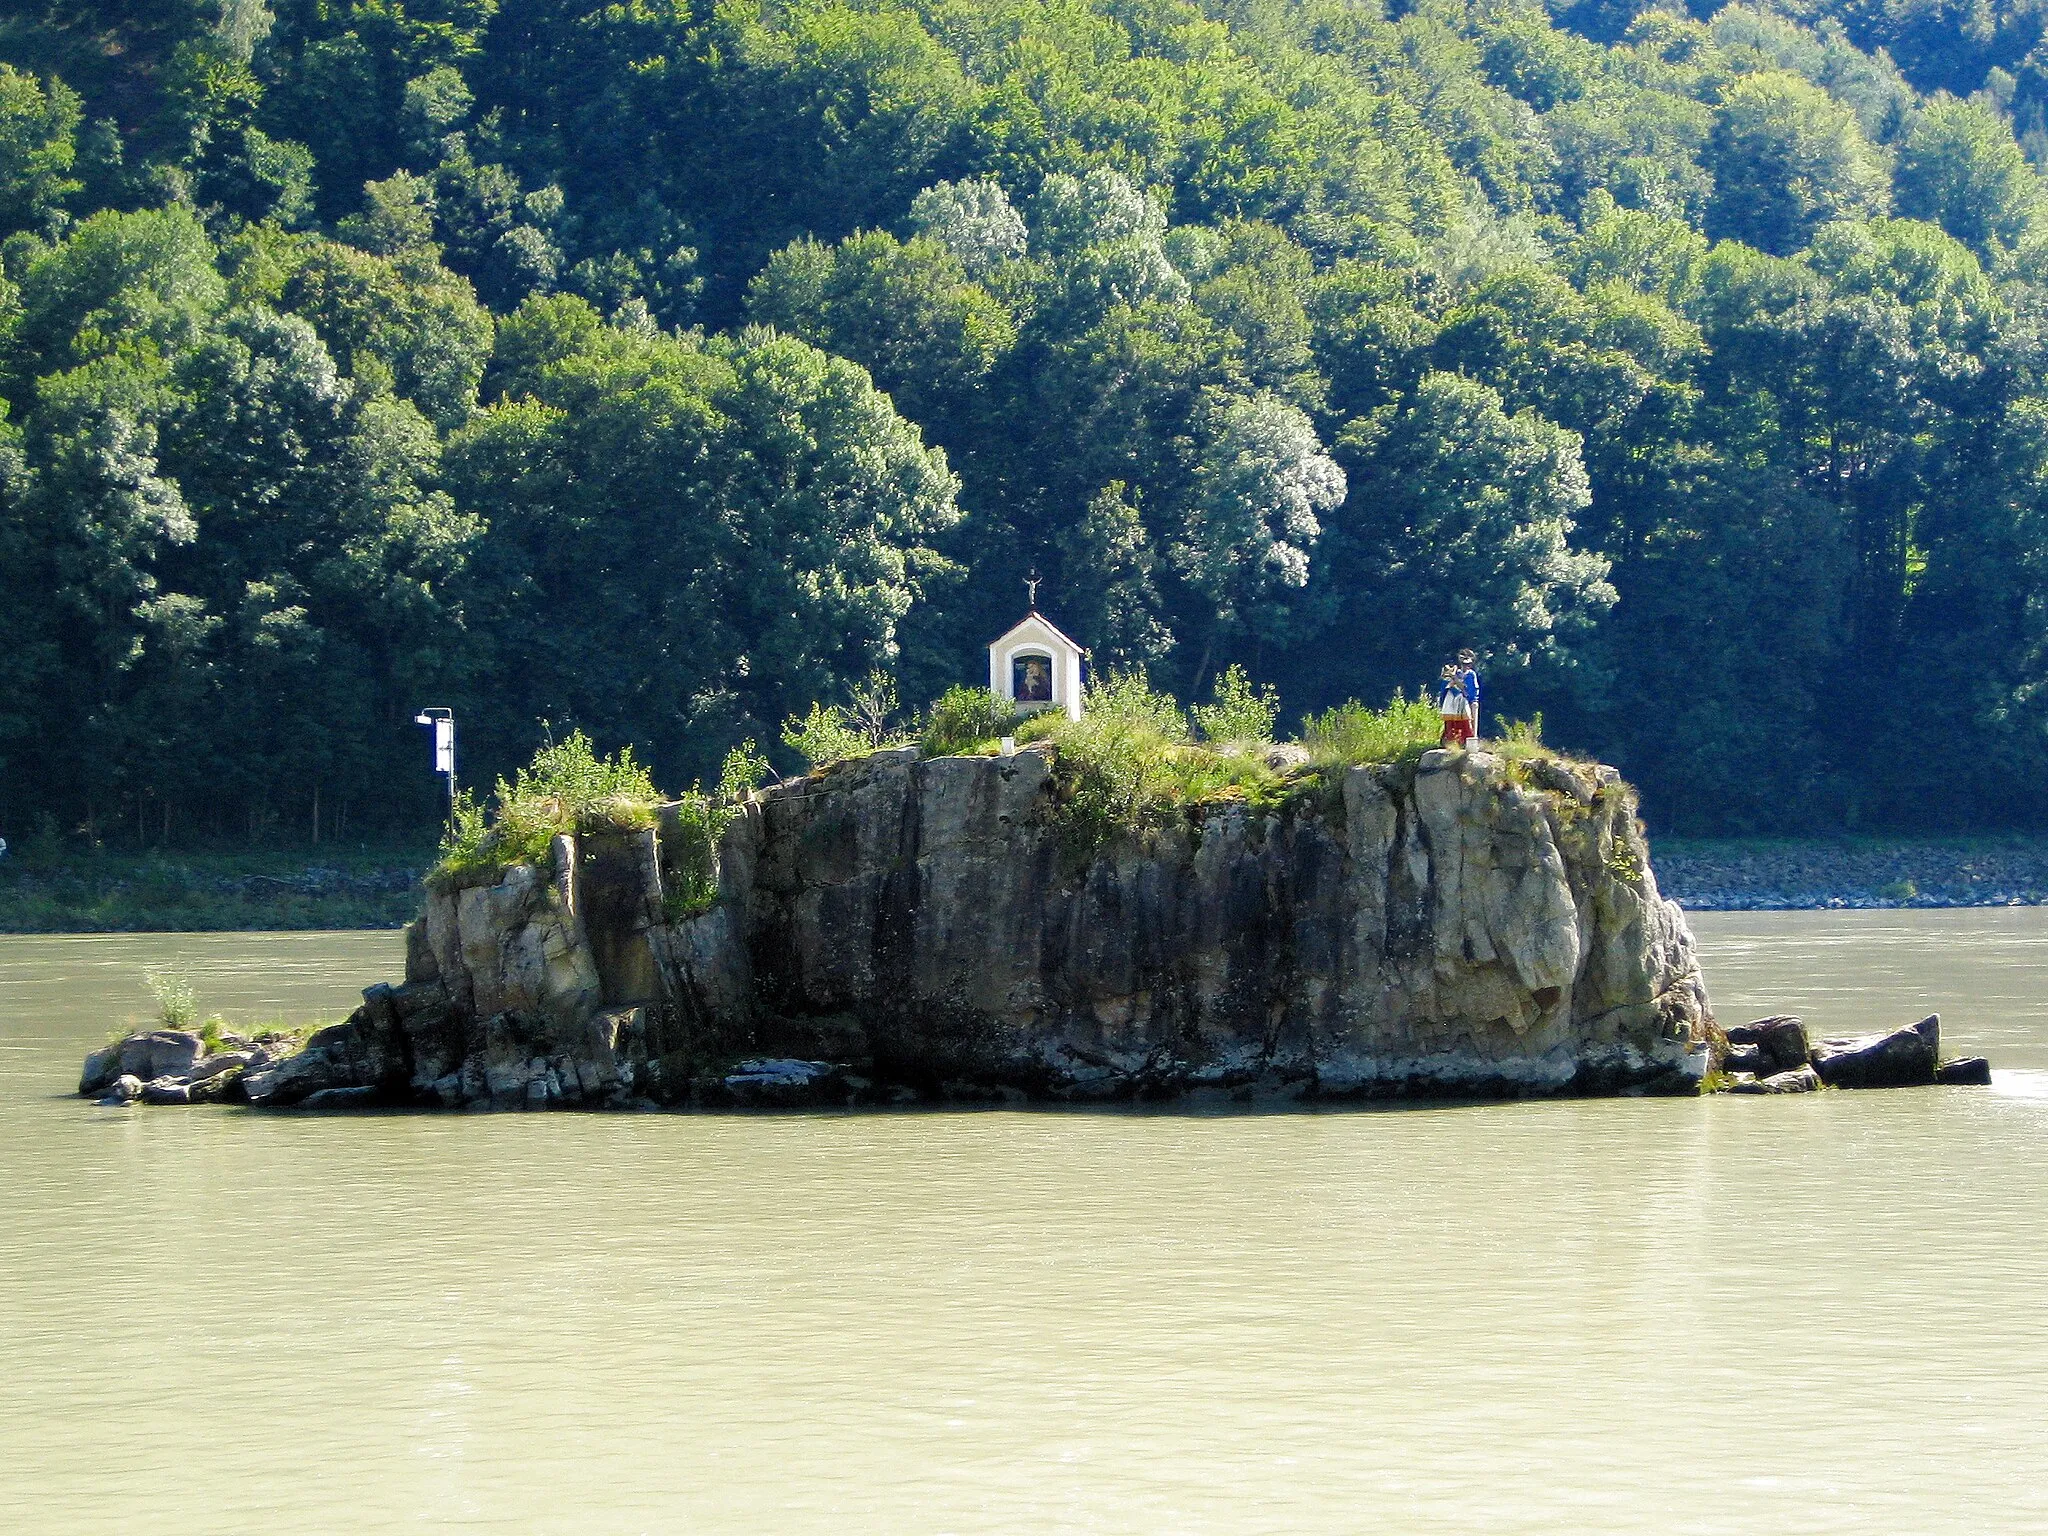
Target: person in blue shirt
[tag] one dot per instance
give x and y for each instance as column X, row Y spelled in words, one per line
column 1468, row 678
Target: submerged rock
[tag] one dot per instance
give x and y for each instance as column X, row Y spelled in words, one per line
column 1801, row 1079
column 340, row 1098
column 782, row 1084
column 1901, row 1058
column 1454, row 927
column 1964, row 1072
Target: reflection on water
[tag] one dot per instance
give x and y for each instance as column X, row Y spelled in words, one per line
column 1726, row 1316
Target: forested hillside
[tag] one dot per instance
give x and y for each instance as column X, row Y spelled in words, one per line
column 660, row 368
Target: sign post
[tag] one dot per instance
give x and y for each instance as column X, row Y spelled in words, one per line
column 442, row 720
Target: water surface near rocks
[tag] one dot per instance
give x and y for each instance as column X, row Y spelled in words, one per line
column 1765, row 1315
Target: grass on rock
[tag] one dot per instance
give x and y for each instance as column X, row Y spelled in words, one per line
column 566, row 788
column 1135, row 764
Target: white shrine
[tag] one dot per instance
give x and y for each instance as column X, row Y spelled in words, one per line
column 1036, row 667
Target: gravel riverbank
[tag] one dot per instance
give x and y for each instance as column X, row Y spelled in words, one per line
column 1770, row 875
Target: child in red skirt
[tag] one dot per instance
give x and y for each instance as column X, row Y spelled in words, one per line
column 1455, row 708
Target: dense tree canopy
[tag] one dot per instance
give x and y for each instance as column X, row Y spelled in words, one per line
column 661, row 369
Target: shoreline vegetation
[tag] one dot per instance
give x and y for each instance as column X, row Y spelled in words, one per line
column 278, row 889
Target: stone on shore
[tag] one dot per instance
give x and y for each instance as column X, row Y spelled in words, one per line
column 1777, row 1044
column 1964, row 1072
column 1901, row 1058
column 213, row 1066
column 1747, row 1059
column 152, row 1053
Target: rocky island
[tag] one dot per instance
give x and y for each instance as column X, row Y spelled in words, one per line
column 901, row 928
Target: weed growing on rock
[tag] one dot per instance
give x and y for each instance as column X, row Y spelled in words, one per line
column 1622, row 862
column 1518, row 737
column 691, row 828
column 823, row 736
column 177, row 1000
column 177, row 1007
column 1354, row 734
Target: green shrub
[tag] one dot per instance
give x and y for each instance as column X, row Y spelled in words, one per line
column 177, row 1000
column 1123, row 699
column 162, row 884
column 462, row 843
column 831, row 733
column 823, row 736
column 45, row 845
column 1240, row 712
column 1352, row 733
column 566, row 788
column 966, row 720
column 742, row 772
column 689, row 844
column 1622, row 862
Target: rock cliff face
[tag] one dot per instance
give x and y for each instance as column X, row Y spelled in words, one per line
column 898, row 929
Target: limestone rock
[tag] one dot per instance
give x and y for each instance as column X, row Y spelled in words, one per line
column 151, row 1053
column 1964, row 1072
column 420, row 964
column 898, row 928
column 1901, row 1058
column 364, row 1051
column 220, row 1086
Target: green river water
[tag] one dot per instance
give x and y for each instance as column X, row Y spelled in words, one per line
column 1809, row 1314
